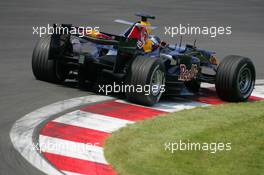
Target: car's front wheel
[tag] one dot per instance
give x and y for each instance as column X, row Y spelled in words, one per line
column 235, row 78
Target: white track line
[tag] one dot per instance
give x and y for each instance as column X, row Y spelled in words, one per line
column 172, row 106
column 70, row 173
column 93, row 121
column 72, row 149
column 258, row 91
column 22, row 131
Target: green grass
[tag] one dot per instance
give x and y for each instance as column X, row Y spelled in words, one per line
column 139, row 149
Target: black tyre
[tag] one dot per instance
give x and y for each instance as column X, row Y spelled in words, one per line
column 146, row 73
column 235, row 78
column 44, row 68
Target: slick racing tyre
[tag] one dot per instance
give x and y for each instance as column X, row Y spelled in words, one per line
column 235, row 78
column 44, row 68
column 147, row 78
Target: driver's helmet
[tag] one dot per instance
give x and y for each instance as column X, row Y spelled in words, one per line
column 155, row 42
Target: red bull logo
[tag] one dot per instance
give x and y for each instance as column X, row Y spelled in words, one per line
column 188, row 74
column 139, row 33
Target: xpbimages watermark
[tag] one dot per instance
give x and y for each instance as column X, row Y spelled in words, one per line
column 49, row 29
column 212, row 147
column 70, row 146
column 212, row 31
column 123, row 88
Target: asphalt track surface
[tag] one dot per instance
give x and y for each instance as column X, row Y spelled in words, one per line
column 20, row 93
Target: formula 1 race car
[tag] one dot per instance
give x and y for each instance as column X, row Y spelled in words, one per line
column 138, row 59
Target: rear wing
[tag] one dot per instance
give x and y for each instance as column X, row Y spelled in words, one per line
column 126, row 47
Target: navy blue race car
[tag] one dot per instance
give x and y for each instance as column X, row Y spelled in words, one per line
column 140, row 62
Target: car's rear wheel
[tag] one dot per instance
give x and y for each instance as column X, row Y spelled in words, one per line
column 147, row 76
column 43, row 67
column 235, row 78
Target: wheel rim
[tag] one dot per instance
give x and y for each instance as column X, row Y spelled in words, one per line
column 244, row 80
column 157, row 81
